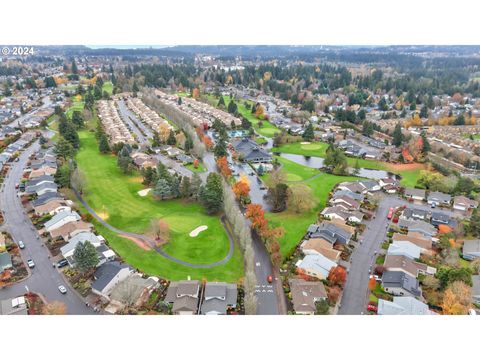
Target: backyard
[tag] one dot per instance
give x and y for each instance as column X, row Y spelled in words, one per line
column 114, row 196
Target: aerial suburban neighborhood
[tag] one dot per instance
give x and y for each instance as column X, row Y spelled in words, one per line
column 208, row 181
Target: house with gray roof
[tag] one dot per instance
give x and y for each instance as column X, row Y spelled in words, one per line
column 184, row 296
column 403, row 305
column 68, row 249
column 417, row 226
column 41, row 189
column 414, row 213
column 108, row 275
column 476, row 289
column 330, row 232
column 45, row 198
column 305, row 295
column 471, row 249
column 463, row 203
column 399, row 283
column 250, row 151
column 405, row 248
column 438, row 198
column 316, row 265
column 40, row 179
column 440, row 218
column 357, row 197
column 415, row 194
column 218, row 297
column 60, row 219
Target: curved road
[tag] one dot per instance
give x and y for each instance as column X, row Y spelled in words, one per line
column 44, row 279
column 157, row 248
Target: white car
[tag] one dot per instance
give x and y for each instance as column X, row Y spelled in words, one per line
column 62, row 289
column 21, row 245
column 30, row 263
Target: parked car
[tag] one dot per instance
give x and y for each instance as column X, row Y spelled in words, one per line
column 390, row 213
column 372, row 308
column 62, row 289
column 17, row 185
column 62, row 263
column 30, row 263
column 21, row 245
column 270, row 278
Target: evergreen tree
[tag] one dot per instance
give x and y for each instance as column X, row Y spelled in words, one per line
column 62, row 176
column 397, row 135
column 195, row 185
column 220, row 149
column 426, row 144
column 460, row 120
column 171, row 138
column 103, row 144
column 211, row 195
column 74, row 67
column 85, row 256
column 308, row 134
column 64, row 149
column 77, row 119
column 424, row 112
column 188, row 144
column 162, row 190
column 156, row 139
column 221, row 102
column 185, row 189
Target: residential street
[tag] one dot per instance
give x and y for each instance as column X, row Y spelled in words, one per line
column 135, row 125
column 354, row 298
column 44, row 278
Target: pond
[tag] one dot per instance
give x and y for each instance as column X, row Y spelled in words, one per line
column 317, row 163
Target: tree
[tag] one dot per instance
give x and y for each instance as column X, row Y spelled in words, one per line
column 460, row 120
column 78, row 180
column 220, row 148
column 232, row 107
column 221, row 102
column 171, row 138
column 256, row 215
column 77, row 119
column 54, row 308
column 50, row 82
column 85, row 256
column 425, row 143
column 124, row 160
column 62, row 176
column 336, row 160
column 74, row 67
column 398, row 135
column 308, row 134
column 259, row 111
column 222, row 164
column 163, row 190
column 448, row 276
column 457, row 299
column 337, row 276
column 160, row 231
column 103, row 145
column 322, row 307
column 195, row 185
column 474, row 225
column 64, row 149
column 300, row 198
column 241, row 189
column 424, row 112
column 211, row 195
column 277, row 197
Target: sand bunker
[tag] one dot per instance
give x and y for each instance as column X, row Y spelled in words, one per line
column 198, row 230
column 305, row 143
column 144, row 192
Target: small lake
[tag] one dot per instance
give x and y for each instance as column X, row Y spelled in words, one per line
column 317, row 163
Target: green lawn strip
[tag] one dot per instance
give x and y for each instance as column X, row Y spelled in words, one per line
column 76, row 106
column 114, row 195
column 380, row 259
column 409, row 177
column 296, row 225
column 108, row 87
column 199, row 169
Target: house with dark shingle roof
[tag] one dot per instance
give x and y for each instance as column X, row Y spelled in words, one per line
column 439, row 198
column 108, row 275
column 471, row 249
column 184, row 295
column 218, row 297
column 414, row 194
column 305, row 295
column 329, row 231
column 250, row 151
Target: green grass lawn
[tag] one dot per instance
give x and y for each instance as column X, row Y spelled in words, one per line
column 199, row 169
column 296, row 225
column 113, row 196
column 108, row 87
column 76, row 106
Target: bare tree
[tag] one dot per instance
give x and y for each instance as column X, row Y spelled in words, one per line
column 78, row 180
column 300, row 198
column 160, row 231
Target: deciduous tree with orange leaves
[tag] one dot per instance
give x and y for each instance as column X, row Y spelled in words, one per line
column 457, row 299
column 222, row 164
column 337, row 276
column 196, row 93
column 256, row 215
column 241, row 189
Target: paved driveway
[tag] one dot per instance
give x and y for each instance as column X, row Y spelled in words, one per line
column 44, row 278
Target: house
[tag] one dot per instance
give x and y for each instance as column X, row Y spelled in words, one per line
column 60, row 219
column 322, row 247
column 413, row 213
column 415, row 238
column 463, row 203
column 471, row 249
column 68, row 249
column 305, row 295
column 331, row 232
column 476, row 289
column 387, row 182
column 185, row 159
column 438, row 198
column 108, row 275
column 52, row 207
column 40, row 180
column 218, row 297
column 3, row 245
column 132, row 290
column 345, row 202
column 415, row 194
column 405, row 248
column 14, row 306
column 43, row 188
column 403, row 305
column 335, row 212
column 416, row 226
column 317, row 266
column 361, row 187
column 45, row 198
column 439, row 218
column 184, row 296
column 104, row 254
column 355, row 196
column 250, row 151
column 399, row 283
column 5, row 261
column 407, row 265
column 70, row 229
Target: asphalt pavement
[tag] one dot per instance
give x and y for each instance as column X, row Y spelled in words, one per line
column 44, row 278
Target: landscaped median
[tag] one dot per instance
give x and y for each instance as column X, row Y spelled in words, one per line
column 114, row 196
